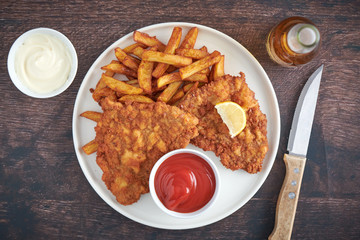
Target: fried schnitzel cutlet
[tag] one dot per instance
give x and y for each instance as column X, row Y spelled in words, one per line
column 245, row 151
column 131, row 137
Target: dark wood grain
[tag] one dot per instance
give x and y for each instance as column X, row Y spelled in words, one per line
column 43, row 192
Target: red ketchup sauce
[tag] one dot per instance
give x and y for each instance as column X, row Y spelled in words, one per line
column 184, row 183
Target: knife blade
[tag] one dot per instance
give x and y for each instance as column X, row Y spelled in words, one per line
column 296, row 158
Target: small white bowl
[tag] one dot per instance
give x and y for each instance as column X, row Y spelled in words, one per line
column 11, row 62
column 179, row 214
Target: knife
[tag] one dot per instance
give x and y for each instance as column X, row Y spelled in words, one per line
column 296, row 158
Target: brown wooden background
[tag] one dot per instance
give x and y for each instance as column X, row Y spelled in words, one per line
column 43, row 192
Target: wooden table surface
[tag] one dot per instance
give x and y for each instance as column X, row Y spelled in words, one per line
column 43, row 191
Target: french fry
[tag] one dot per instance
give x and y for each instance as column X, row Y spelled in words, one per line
column 171, row 69
column 168, row 78
column 197, row 77
column 138, row 51
column 205, row 71
column 130, row 78
column 193, row 88
column 130, row 48
column 177, row 96
column 135, row 98
column 132, row 82
column 167, row 94
column 136, row 85
column 145, row 39
column 144, row 74
column 95, row 116
column 108, row 72
column 188, row 86
column 130, row 60
column 121, row 86
column 204, row 48
column 118, row 95
column 155, row 56
column 122, row 56
column 90, row 147
column 156, row 89
column 104, row 92
column 117, row 67
column 95, row 94
column 174, row 77
column 173, row 43
column 190, row 38
column 100, row 85
column 199, row 65
column 127, row 60
column 218, row 68
column 192, row 53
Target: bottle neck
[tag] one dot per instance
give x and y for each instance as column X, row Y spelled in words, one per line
column 303, row 38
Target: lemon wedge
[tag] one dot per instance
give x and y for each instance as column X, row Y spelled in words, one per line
column 233, row 115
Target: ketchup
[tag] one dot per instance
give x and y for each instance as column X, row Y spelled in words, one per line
column 184, row 183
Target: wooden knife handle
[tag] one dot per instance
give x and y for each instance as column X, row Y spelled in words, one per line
column 288, row 198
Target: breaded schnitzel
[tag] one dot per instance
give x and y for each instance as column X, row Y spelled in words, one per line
column 245, row 151
column 131, row 137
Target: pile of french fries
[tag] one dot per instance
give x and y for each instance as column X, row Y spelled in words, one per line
column 156, row 72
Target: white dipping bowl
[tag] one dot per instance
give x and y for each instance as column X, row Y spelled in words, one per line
column 179, row 214
column 11, row 62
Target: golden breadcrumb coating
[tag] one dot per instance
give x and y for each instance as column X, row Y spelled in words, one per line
column 132, row 137
column 245, row 151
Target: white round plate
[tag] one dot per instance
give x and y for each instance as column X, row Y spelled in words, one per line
column 231, row 197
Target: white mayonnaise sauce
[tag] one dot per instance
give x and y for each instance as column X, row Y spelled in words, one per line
column 43, row 63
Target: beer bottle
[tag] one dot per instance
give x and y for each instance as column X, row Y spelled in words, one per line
column 294, row 41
